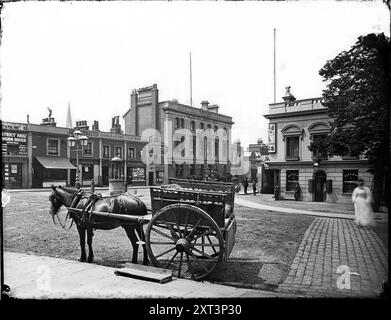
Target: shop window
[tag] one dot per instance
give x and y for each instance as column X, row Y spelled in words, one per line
column 292, row 148
column 292, row 179
column 53, row 148
column 138, row 174
column 12, row 149
column 106, row 152
column 131, row 153
column 54, row 174
column 88, row 173
column 349, row 178
column 87, row 150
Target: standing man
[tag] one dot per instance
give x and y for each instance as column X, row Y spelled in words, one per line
column 245, row 185
column 254, row 187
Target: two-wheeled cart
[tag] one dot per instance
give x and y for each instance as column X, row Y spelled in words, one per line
column 191, row 228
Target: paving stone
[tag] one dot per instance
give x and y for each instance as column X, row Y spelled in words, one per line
column 329, row 243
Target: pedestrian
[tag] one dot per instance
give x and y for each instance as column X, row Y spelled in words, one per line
column 362, row 200
column 245, row 185
column 297, row 192
column 276, row 192
column 254, row 187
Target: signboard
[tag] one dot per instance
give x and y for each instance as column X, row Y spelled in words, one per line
column 272, row 138
column 14, row 143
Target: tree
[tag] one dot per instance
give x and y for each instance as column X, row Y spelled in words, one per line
column 358, row 101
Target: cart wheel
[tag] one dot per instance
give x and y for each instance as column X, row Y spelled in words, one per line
column 186, row 240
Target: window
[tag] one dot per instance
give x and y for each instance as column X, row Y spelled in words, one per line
column 318, row 138
column 202, row 126
column 292, row 179
column 215, row 128
column 292, row 148
column 118, row 152
column 12, row 149
column 182, row 123
column 209, row 126
column 131, row 153
column 192, row 169
column 177, row 123
column 350, row 178
column 87, row 150
column 106, row 152
column 53, row 147
column 192, row 126
column 138, row 174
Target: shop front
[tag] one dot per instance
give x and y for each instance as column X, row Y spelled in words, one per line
column 48, row 171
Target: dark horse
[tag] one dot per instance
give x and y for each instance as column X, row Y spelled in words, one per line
column 120, row 204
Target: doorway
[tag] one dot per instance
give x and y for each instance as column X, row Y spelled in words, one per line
column 105, row 175
column 320, row 184
column 150, row 178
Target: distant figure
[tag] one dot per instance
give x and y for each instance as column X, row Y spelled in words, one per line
column 245, row 185
column 254, row 187
column 276, row 193
column 362, row 200
column 297, row 192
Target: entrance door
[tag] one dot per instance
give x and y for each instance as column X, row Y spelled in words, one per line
column 105, row 175
column 320, row 184
column 150, row 178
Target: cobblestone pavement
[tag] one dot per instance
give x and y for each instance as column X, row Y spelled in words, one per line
column 328, row 246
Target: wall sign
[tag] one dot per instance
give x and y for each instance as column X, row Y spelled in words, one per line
column 14, row 143
column 271, row 145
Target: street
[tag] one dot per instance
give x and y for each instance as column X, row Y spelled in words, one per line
column 275, row 251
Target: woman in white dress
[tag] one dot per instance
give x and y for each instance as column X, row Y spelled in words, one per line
column 362, row 200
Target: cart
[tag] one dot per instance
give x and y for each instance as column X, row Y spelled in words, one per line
column 192, row 227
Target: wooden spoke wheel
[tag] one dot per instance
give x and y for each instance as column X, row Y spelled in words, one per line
column 186, row 240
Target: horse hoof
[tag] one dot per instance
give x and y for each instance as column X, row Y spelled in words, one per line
column 83, row 259
column 89, row 260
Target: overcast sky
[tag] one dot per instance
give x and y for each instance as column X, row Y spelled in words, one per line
column 93, row 54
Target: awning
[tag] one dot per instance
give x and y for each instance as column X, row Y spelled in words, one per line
column 55, row 163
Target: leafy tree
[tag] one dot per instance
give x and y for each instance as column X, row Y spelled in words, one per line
column 358, row 100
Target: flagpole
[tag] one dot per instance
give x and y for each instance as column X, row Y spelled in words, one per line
column 274, row 66
column 191, row 85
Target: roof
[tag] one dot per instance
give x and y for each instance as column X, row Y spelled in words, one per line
column 55, row 162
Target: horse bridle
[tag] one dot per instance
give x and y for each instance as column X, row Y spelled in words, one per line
column 63, row 225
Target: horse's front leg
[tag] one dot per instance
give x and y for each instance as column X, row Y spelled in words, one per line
column 82, row 235
column 90, row 234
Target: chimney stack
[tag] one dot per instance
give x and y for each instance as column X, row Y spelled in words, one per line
column 204, row 105
column 115, row 126
column 95, row 126
column 82, row 125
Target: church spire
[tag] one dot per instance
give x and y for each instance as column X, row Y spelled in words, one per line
column 69, row 118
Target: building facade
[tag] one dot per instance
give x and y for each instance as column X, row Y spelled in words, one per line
column 293, row 124
column 38, row 155
column 166, row 117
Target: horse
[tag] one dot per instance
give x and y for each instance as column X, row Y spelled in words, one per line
column 120, row 204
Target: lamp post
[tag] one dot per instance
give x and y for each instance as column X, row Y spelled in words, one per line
column 76, row 140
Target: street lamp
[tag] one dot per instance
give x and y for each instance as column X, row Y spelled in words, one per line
column 75, row 141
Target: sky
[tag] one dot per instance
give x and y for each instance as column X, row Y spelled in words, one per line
column 92, row 54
